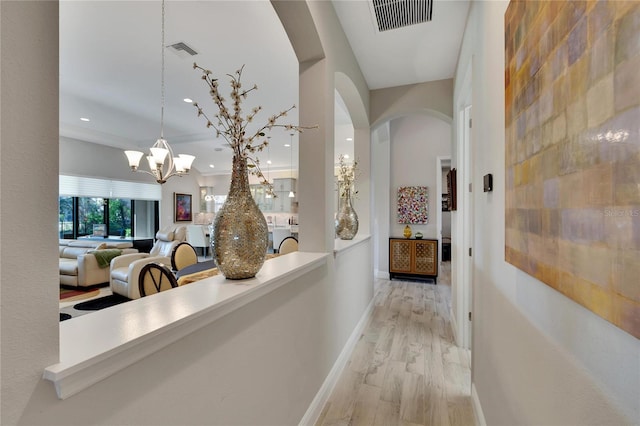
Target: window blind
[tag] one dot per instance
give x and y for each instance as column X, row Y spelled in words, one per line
column 79, row 186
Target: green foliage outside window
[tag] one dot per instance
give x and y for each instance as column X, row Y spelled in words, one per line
column 117, row 213
column 120, row 217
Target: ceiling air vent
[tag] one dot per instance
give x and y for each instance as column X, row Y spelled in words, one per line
column 184, row 47
column 392, row 14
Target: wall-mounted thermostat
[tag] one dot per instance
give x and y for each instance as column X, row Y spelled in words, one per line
column 488, row 183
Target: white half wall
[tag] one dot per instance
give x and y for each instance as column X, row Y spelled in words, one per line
column 261, row 364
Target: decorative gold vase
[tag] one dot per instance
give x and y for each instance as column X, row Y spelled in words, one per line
column 407, row 231
column 347, row 220
column 240, row 232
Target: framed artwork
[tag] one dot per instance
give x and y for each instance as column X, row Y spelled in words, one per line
column 182, row 207
column 445, row 202
column 572, row 163
column 452, row 185
column 413, row 204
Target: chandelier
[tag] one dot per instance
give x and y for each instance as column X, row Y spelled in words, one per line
column 162, row 163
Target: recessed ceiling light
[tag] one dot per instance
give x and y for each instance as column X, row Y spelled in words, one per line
column 84, row 119
column 346, row 156
column 349, row 139
column 287, row 145
column 187, row 100
column 211, row 165
column 268, row 161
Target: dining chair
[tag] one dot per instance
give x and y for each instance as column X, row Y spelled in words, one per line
column 196, row 236
column 154, row 278
column 288, row 245
column 279, row 234
column 183, row 255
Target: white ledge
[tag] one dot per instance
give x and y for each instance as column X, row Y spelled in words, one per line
column 340, row 246
column 96, row 346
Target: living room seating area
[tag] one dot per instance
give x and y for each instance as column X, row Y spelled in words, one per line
column 86, row 263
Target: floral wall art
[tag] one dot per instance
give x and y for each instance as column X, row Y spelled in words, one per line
column 413, row 204
column 572, row 154
column 182, row 207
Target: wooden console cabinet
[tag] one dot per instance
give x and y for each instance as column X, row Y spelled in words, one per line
column 413, row 258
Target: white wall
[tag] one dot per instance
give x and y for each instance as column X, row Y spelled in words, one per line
column 29, row 200
column 538, row 357
column 380, row 164
column 433, row 97
column 416, row 142
column 260, row 365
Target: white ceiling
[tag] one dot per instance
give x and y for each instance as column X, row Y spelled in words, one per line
column 414, row 54
column 110, row 61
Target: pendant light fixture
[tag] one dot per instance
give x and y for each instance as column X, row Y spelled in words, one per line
column 162, row 163
column 291, row 193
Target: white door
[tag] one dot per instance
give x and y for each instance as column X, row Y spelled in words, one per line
column 467, row 192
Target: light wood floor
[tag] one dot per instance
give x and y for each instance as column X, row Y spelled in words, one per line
column 405, row 369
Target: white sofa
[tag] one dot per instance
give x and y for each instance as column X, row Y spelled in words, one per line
column 79, row 268
column 125, row 270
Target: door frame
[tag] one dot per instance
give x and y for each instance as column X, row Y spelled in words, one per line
column 462, row 241
column 441, row 162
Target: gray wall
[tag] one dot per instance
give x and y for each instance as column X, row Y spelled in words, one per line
column 79, row 158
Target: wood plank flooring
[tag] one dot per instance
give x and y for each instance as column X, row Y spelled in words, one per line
column 405, row 369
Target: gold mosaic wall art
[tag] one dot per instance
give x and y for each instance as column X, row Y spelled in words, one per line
column 572, row 102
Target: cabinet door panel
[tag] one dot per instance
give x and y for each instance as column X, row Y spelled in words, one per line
column 426, row 257
column 400, row 256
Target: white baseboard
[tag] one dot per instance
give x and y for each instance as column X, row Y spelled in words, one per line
column 477, row 408
column 383, row 275
column 321, row 398
column 454, row 329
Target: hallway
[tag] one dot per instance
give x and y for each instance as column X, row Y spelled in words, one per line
column 405, row 369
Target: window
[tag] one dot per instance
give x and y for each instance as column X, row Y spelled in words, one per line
column 119, row 217
column 122, row 217
column 65, row 226
column 90, row 212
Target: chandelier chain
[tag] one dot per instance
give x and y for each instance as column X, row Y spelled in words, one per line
column 162, row 78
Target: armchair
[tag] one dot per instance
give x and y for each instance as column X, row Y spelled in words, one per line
column 125, row 269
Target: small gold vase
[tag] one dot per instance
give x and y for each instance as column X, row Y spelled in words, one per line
column 407, row 231
column 347, row 221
